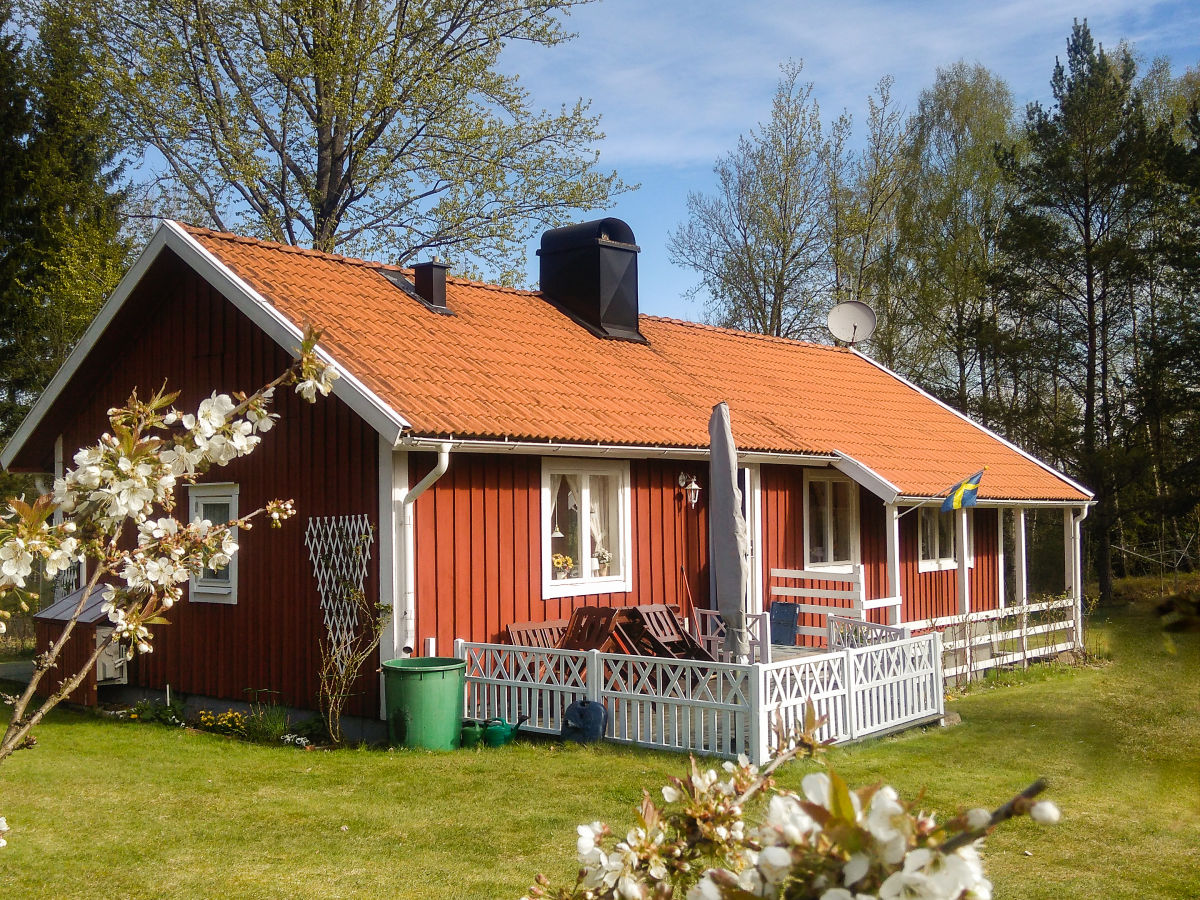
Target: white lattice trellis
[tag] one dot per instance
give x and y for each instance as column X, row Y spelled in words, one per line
column 339, row 548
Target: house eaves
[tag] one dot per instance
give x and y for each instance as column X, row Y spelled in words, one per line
column 171, row 236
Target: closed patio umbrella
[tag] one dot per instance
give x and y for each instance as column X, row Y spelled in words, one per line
column 727, row 530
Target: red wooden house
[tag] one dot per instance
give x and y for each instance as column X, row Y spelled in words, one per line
column 520, row 453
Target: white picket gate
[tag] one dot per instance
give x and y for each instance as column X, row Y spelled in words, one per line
column 719, row 709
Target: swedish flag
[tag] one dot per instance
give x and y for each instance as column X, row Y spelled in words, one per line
column 963, row 493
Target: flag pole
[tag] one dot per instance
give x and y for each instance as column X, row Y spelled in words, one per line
column 938, row 495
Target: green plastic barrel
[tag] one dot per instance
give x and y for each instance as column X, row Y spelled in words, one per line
column 424, row 697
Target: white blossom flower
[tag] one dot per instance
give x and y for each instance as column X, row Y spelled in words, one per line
column 788, row 818
column 672, row 794
column 978, row 818
column 16, row 563
column 704, row 889
column 1045, row 812
column 889, row 824
column 774, row 863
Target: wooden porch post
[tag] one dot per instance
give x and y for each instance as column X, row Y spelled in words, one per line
column 964, row 577
column 1021, row 588
column 1020, row 568
column 892, row 528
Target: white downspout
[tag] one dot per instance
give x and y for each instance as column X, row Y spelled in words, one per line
column 408, row 617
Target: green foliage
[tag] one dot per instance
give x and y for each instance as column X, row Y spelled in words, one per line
column 266, row 723
column 60, row 212
column 164, row 713
column 377, row 128
column 1091, row 278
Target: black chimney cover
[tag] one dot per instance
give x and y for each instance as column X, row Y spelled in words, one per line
column 590, row 271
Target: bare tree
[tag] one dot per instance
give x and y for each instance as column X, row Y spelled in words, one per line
column 378, row 127
column 759, row 243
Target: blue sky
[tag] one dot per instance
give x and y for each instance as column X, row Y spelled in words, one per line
column 677, row 81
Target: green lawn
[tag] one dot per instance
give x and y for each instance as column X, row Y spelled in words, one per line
column 123, row 810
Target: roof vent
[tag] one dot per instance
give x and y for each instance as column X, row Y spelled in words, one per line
column 590, row 271
column 428, row 284
column 430, row 280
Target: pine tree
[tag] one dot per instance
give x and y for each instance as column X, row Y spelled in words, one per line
column 64, row 253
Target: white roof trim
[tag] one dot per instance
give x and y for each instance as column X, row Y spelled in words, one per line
column 170, row 235
column 867, row 477
column 1033, row 459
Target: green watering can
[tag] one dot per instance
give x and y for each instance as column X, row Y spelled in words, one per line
column 497, row 732
column 472, row 734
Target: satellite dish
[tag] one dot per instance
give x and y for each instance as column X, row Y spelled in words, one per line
column 852, row 321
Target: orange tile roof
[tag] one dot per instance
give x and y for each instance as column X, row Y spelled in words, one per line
column 509, row 365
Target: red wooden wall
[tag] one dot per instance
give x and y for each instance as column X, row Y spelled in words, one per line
column 925, row 594
column 80, row 645
column 323, row 456
column 478, row 545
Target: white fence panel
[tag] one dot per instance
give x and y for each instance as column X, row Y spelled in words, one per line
column 846, row 633
column 984, row 640
column 671, row 704
column 895, row 684
column 509, row 682
column 786, row 688
column 718, row 709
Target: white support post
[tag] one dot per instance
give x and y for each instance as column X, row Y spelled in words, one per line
column 851, row 700
column 1000, row 557
column 1076, row 527
column 892, row 528
column 939, row 679
column 964, row 576
column 460, row 648
column 595, row 676
column 1020, row 567
column 760, row 751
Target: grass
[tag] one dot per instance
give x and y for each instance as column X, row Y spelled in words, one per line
column 120, row 809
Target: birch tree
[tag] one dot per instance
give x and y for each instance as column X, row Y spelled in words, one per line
column 760, row 242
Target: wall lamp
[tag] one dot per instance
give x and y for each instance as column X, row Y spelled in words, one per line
column 691, row 488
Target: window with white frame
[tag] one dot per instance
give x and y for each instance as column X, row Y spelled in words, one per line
column 830, row 521
column 938, row 538
column 218, row 503
column 586, row 544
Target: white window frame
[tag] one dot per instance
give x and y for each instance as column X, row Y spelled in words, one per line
column 838, row 565
column 943, row 562
column 616, row 583
column 211, row 590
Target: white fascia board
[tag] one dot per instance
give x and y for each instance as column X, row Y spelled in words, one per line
column 606, row 451
column 170, row 235
column 1007, row 443
column 373, row 410
column 865, row 476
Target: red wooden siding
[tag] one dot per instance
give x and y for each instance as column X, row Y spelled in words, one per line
column 80, row 645
column 925, row 594
column 478, row 546
column 324, row 457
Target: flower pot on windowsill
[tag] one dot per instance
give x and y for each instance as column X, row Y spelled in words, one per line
column 560, row 574
column 602, row 570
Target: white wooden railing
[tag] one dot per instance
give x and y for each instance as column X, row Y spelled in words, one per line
column 844, row 633
column 1015, row 635
column 710, row 632
column 817, row 600
column 719, row 709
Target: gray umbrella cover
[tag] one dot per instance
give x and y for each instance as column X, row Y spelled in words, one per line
column 727, row 530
